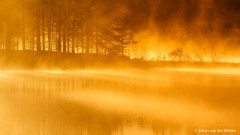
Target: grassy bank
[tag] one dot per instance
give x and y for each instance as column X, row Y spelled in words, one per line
column 54, row 60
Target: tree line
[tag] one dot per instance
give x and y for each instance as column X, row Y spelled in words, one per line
column 180, row 55
column 62, row 26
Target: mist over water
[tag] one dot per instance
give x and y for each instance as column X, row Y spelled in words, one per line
column 139, row 40
column 128, row 102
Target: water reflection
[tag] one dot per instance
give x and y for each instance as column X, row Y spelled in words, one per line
column 130, row 102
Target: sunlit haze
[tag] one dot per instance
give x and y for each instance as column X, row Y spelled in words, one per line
column 119, row 67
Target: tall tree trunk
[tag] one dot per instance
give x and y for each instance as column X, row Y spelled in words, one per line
column 24, row 37
column 92, row 38
column 49, row 32
column 59, row 44
column 122, row 39
column 87, row 38
column 8, row 38
column 38, row 28
column 68, row 35
column 64, row 35
column 23, row 26
column 73, row 37
column 82, row 36
column 97, row 41
column 43, row 27
column 32, row 36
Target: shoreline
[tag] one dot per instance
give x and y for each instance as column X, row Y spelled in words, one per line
column 32, row 60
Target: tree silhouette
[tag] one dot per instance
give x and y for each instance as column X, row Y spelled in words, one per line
column 177, row 54
column 61, row 26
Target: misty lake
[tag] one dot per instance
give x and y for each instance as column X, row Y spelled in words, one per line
column 120, row 102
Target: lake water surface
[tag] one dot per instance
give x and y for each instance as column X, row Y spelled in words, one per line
column 120, row 102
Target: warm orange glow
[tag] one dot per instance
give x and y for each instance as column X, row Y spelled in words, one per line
column 119, row 67
column 152, row 47
column 136, row 105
